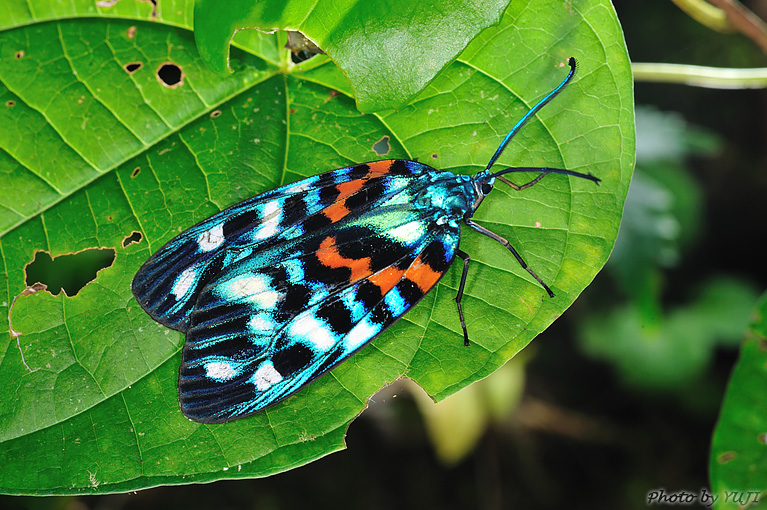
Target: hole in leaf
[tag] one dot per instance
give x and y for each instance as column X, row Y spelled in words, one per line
column 135, row 237
column 135, row 171
column 381, row 147
column 170, row 75
column 302, row 48
column 154, row 7
column 10, row 102
column 434, row 156
column 215, row 113
column 133, row 67
column 69, row 273
column 20, row 54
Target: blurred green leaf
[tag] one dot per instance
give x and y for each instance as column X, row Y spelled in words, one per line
column 738, row 463
column 668, row 351
column 663, row 207
column 388, row 49
column 667, row 136
column 98, row 150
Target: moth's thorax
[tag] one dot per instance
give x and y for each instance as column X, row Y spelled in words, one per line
column 448, row 195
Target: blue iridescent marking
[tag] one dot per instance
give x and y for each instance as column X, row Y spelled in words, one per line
column 396, row 303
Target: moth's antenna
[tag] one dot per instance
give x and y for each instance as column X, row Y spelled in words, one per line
column 551, row 95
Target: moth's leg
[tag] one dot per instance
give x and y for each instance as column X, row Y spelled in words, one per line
column 543, row 171
column 466, row 260
column 504, row 242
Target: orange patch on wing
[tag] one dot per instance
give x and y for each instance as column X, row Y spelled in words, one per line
column 379, row 168
column 348, row 188
column 329, row 256
column 387, row 278
column 422, row 275
column 336, row 211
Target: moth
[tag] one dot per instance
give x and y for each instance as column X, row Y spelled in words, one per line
column 275, row 291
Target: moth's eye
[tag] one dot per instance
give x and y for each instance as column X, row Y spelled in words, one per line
column 486, row 188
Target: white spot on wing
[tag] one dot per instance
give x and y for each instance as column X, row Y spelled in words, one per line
column 184, row 282
column 211, row 239
column 262, row 323
column 270, row 222
column 266, row 376
column 300, row 186
column 220, row 371
column 314, row 330
column 361, row 333
column 256, row 289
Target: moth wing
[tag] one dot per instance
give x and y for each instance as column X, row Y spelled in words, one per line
column 242, row 358
column 168, row 283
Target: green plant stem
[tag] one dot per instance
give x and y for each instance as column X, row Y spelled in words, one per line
column 700, row 76
column 705, row 14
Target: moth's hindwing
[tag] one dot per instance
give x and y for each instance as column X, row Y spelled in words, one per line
column 259, row 333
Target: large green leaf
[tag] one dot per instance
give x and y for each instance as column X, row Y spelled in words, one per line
column 388, row 49
column 93, row 154
column 738, row 462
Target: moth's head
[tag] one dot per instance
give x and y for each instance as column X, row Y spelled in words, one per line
column 483, row 184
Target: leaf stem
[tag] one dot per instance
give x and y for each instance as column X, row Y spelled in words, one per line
column 700, row 76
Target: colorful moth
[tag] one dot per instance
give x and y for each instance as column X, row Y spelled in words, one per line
column 277, row 290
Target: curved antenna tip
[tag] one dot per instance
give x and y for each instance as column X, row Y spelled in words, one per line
column 532, row 111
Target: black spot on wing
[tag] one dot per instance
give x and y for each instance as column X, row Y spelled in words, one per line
column 381, row 314
column 368, row 294
column 400, row 167
column 372, row 191
column 328, row 194
column 295, row 301
column 316, row 222
column 409, row 291
column 289, row 360
column 236, row 225
column 229, row 327
column 336, row 315
column 435, row 256
column 294, row 209
column 358, row 171
column 405, row 262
